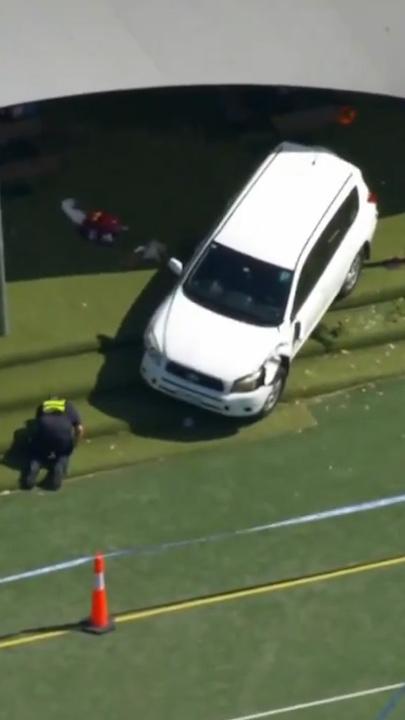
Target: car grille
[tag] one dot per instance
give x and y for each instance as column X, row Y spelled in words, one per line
column 192, row 376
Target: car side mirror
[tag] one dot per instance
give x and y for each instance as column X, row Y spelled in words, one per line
column 176, row 266
column 297, row 332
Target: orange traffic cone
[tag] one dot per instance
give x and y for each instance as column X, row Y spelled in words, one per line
column 99, row 621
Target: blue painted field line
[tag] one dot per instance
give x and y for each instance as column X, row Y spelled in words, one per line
column 228, row 535
column 289, row 522
column 391, row 705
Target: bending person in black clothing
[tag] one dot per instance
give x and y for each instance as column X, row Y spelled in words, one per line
column 57, row 430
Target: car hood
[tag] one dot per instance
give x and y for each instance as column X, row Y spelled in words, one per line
column 213, row 344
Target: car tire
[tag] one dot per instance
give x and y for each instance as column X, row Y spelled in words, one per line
column 353, row 275
column 274, row 396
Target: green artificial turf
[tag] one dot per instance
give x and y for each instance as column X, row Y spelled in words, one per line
column 358, row 709
column 333, row 637
column 105, row 384
column 347, row 368
column 222, row 662
column 156, row 430
column 149, row 423
column 62, row 316
column 364, row 326
column 353, row 454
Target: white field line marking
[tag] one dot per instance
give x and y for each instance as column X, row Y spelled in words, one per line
column 159, row 548
column 325, row 701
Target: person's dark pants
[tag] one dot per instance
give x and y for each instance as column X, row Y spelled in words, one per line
column 57, row 467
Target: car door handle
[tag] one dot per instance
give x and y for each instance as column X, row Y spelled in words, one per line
column 297, row 331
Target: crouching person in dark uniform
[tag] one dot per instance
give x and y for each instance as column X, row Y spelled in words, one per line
column 58, row 428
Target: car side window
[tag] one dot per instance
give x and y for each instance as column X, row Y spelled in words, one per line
column 325, row 248
column 336, row 229
column 310, row 274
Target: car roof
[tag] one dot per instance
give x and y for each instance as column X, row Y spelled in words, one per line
column 277, row 212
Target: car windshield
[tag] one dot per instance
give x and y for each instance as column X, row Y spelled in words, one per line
column 239, row 286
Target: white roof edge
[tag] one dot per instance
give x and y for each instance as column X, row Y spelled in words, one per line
column 51, row 48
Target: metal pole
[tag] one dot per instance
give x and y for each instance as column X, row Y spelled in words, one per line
column 4, row 319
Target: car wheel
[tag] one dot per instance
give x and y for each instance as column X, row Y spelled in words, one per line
column 353, row 275
column 275, row 393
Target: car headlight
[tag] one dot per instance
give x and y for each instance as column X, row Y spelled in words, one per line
column 152, row 345
column 249, row 382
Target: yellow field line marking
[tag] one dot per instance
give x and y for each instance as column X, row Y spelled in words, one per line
column 26, row 639
column 260, row 590
column 219, row 598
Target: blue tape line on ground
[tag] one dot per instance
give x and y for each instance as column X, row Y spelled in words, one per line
column 46, row 570
column 289, row 522
column 392, row 704
column 227, row 535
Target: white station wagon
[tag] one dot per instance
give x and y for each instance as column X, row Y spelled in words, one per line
column 255, row 289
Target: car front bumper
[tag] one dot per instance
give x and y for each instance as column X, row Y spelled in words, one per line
column 246, row 404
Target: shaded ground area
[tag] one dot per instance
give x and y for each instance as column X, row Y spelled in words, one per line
column 169, row 161
column 124, row 153
column 331, row 638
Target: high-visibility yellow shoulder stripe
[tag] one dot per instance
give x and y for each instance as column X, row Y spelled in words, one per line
column 54, row 405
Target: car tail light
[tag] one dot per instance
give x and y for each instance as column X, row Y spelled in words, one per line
column 372, row 198
column 347, row 115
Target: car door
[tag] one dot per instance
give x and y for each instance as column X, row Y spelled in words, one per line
column 340, row 244
column 324, row 270
column 309, row 301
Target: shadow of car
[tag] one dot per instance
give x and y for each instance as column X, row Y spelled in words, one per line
column 120, row 393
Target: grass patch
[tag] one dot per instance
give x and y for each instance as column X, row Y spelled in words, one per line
column 332, row 630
